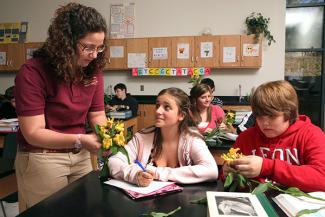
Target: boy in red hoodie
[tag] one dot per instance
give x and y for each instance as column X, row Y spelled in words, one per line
column 283, row 146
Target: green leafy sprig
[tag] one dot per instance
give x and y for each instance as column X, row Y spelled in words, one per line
column 162, row 214
column 257, row 24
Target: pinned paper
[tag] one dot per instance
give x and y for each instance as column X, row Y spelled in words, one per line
column 206, row 49
column 160, row 53
column 183, row 51
column 251, row 50
column 137, row 60
column 170, row 71
column 116, row 51
column 229, row 55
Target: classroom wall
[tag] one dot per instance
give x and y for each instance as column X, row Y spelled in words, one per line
column 171, row 18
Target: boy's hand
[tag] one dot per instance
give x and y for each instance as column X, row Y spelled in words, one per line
column 227, row 168
column 248, row 166
column 144, row 178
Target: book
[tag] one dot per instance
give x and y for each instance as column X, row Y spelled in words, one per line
column 292, row 205
column 154, row 189
column 9, row 125
column 235, row 204
column 120, row 114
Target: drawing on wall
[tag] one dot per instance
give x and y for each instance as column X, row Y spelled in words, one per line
column 3, row 58
column 137, row 60
column 116, row 51
column 229, row 55
column 13, row 32
column 183, row 51
column 122, row 20
column 206, row 49
column 160, row 53
column 251, row 50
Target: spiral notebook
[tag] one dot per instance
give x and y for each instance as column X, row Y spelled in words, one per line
column 154, row 189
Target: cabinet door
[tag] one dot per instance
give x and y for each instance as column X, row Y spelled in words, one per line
column 160, row 52
column 251, row 51
column 230, row 51
column 183, row 51
column 11, row 56
column 137, row 52
column 146, row 115
column 116, row 53
column 207, row 51
column 29, row 48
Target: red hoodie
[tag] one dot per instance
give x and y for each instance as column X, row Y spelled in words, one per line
column 296, row 158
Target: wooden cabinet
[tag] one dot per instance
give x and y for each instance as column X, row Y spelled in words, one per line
column 207, row 51
column 11, row 56
column 116, row 54
column 240, row 51
column 160, row 55
column 29, row 48
column 230, row 51
column 251, row 52
column 137, row 52
column 146, row 115
column 182, row 51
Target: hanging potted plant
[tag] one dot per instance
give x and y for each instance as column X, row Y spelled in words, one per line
column 257, row 24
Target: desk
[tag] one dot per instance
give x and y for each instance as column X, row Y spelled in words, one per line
column 87, row 197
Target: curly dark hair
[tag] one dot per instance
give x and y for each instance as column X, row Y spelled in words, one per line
column 71, row 23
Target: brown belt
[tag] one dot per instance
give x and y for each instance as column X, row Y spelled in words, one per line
column 43, row 150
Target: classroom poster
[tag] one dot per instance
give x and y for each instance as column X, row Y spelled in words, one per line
column 206, row 49
column 183, row 51
column 251, row 50
column 122, row 20
column 229, row 55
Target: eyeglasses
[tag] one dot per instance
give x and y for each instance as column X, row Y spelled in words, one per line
column 89, row 49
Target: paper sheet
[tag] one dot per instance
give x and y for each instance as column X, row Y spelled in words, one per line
column 154, row 186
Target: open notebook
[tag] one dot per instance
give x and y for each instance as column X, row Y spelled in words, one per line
column 154, row 189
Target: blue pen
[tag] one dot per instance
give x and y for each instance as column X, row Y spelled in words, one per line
column 140, row 165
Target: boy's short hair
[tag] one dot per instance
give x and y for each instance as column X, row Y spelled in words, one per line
column 9, row 93
column 120, row 86
column 209, row 82
column 272, row 98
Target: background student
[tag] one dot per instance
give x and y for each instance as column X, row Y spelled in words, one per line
column 8, row 104
column 215, row 100
column 172, row 150
column 123, row 100
column 205, row 114
column 55, row 91
column 283, row 146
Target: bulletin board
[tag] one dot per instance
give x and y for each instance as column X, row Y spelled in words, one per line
column 13, row 32
column 122, row 20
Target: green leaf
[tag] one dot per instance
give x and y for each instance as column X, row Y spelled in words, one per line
column 234, row 186
column 241, row 180
column 124, row 151
column 296, row 192
column 229, row 180
column 114, row 149
column 261, row 188
column 309, row 211
column 97, row 130
column 202, row 200
column 161, row 214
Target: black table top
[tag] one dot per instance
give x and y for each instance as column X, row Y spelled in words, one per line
column 89, row 197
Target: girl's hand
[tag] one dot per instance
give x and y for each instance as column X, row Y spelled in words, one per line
column 249, row 166
column 144, row 178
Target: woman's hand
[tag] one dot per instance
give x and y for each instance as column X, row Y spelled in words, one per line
column 249, row 166
column 144, row 178
column 90, row 142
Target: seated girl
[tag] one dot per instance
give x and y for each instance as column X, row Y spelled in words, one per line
column 205, row 114
column 171, row 150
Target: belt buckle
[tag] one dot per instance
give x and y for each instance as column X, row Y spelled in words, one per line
column 76, row 151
